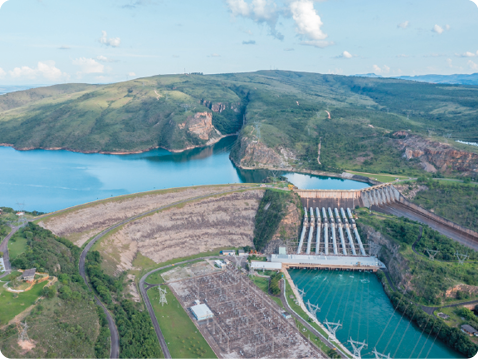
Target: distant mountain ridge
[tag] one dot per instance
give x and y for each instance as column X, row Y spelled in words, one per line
column 456, row 79
column 290, row 121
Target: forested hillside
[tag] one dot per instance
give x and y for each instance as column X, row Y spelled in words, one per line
column 283, row 119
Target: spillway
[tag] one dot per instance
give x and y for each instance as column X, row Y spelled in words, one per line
column 349, row 236
column 326, row 238
column 311, row 233
column 334, row 239
column 362, row 250
column 302, row 235
column 342, row 240
column 318, row 230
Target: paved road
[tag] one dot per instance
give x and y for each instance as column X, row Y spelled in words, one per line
column 4, row 249
column 430, row 310
column 306, row 324
column 114, row 353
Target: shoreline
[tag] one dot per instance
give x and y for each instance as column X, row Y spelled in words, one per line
column 209, row 143
column 344, row 175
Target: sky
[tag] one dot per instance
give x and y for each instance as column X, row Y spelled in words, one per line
column 58, row 41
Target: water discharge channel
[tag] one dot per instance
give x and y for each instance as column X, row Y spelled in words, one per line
column 358, row 301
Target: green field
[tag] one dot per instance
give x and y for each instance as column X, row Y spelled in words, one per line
column 263, row 284
column 17, row 247
column 382, row 177
column 183, row 338
column 11, row 306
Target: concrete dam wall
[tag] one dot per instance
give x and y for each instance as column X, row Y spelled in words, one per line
column 387, row 199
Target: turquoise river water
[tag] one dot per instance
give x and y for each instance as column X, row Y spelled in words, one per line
column 51, row 180
column 359, row 302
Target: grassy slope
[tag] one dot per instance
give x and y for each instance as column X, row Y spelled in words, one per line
column 455, row 201
column 430, row 279
column 13, row 306
column 183, row 338
column 283, row 109
column 17, row 247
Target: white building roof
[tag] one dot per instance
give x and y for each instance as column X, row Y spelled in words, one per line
column 202, row 311
column 326, row 260
column 266, row 265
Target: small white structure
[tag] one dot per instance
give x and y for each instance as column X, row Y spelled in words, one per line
column 242, row 253
column 266, row 265
column 282, row 250
column 201, row 312
column 286, row 315
column 2, row 265
column 219, row 264
column 229, row 253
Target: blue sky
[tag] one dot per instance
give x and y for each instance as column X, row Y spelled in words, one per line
column 53, row 41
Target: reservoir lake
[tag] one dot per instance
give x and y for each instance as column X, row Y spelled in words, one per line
column 47, row 181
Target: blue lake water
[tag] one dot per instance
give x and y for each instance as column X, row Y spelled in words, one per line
column 359, row 302
column 50, row 180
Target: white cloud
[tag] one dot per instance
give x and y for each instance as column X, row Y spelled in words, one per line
column 2, row 2
column 260, row 11
column 308, row 23
column 131, row 74
column 381, row 70
column 440, row 29
column 2, row 73
column 473, row 65
column 214, row 55
column 112, row 41
column 404, row 25
column 104, row 59
column 47, row 70
column 64, row 47
column 347, row 55
column 89, row 66
column 402, row 56
column 467, row 54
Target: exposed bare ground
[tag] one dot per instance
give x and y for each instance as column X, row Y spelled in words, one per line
column 409, row 191
column 195, row 227
column 78, row 225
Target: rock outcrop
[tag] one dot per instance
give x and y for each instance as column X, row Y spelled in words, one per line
column 201, row 125
column 435, row 156
column 253, row 153
column 288, row 229
column 220, row 106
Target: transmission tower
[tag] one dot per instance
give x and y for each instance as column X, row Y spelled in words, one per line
column 431, row 253
column 162, row 296
column 357, row 347
column 333, row 327
column 313, row 308
column 301, row 293
column 461, row 257
column 23, row 336
column 380, row 355
column 374, row 249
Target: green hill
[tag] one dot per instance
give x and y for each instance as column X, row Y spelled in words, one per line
column 282, row 118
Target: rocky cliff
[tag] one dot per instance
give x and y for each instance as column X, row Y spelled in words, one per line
column 201, row 126
column 389, row 254
column 288, row 230
column 435, row 156
column 251, row 152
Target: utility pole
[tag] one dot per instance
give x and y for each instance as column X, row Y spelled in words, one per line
column 357, row 347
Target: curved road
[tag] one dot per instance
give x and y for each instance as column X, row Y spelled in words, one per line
column 114, row 352
column 4, row 249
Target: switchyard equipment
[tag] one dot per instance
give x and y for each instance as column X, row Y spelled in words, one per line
column 246, row 321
